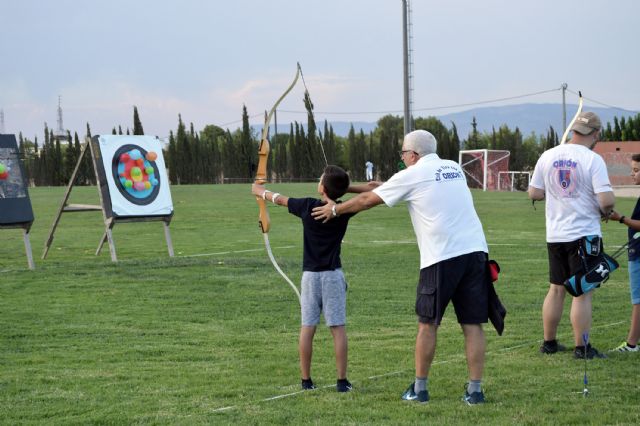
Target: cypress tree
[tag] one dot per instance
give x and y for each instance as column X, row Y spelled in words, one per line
column 197, row 164
column 51, row 162
column 137, row 124
column 21, row 151
column 304, row 155
column 608, row 133
column 70, row 158
column 33, row 163
column 388, row 131
column 371, row 153
column 313, row 147
column 295, row 153
column 211, row 136
column 57, row 170
column 182, row 153
column 636, row 128
column 171, row 159
column 455, row 141
column 617, row 132
column 229, row 157
column 353, row 155
column 247, row 151
column 290, row 152
column 81, row 176
column 473, row 142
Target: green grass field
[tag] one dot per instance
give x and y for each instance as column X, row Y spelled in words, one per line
column 210, row 336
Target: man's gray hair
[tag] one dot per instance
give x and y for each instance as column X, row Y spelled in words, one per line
column 420, row 141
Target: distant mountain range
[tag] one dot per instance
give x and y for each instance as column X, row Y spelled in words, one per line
column 527, row 117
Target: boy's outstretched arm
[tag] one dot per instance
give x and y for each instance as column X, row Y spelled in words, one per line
column 276, row 198
column 363, row 201
column 365, row 187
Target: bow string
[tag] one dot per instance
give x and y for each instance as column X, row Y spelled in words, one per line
column 262, row 170
column 566, row 131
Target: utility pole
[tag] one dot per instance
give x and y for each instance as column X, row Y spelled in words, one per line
column 564, row 107
column 406, row 56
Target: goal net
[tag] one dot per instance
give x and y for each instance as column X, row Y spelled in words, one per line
column 513, row 181
column 482, row 167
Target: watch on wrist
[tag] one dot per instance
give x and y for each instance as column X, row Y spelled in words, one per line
column 334, row 213
column 622, row 219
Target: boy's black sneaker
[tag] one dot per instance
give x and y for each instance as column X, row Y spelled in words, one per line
column 473, row 398
column 411, row 395
column 307, row 384
column 551, row 347
column 579, row 352
column 343, row 385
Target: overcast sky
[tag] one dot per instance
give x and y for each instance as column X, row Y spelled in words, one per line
column 205, row 59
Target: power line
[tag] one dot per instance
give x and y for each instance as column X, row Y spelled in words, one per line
column 603, row 104
column 240, row 121
column 441, row 107
column 491, row 100
column 430, row 108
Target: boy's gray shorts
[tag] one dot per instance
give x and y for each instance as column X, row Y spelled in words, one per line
column 324, row 292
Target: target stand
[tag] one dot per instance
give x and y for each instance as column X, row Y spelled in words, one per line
column 26, row 227
column 132, row 184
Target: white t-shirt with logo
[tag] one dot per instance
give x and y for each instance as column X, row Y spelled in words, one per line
column 571, row 175
column 441, row 208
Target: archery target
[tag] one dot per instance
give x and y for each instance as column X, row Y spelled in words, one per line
column 136, row 176
column 15, row 205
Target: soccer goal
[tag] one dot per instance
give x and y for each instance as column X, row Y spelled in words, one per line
column 482, row 167
column 513, row 181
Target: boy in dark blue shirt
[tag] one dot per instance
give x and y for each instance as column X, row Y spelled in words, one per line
column 323, row 284
column 633, row 223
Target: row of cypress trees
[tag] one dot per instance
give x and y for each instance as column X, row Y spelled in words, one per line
column 216, row 155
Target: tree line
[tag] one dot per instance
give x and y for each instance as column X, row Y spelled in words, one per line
column 216, row 155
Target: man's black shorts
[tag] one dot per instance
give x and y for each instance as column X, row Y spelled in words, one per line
column 565, row 260
column 464, row 280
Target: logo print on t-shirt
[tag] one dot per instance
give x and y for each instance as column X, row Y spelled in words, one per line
column 447, row 172
column 565, row 178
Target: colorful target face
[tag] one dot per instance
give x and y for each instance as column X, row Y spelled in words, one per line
column 11, row 183
column 136, row 174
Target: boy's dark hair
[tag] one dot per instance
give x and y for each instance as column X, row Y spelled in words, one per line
column 335, row 181
column 635, row 157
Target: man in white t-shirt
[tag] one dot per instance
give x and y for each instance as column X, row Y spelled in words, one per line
column 369, row 170
column 578, row 193
column 453, row 253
